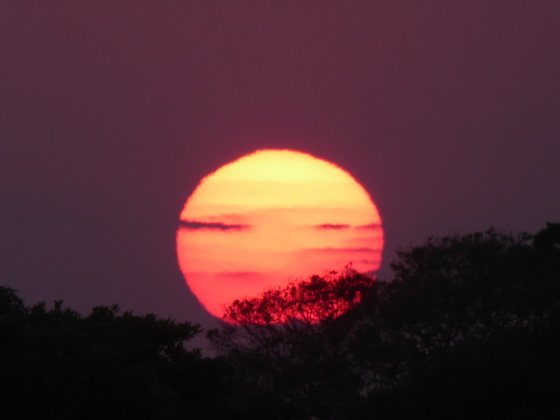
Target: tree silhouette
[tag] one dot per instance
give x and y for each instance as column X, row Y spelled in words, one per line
column 286, row 344
column 56, row 363
column 318, row 299
column 280, row 318
column 468, row 326
column 469, row 323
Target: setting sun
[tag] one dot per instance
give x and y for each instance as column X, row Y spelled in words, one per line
column 271, row 217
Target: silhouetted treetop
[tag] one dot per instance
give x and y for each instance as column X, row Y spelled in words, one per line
column 56, row 363
column 468, row 323
column 317, row 299
column 468, row 327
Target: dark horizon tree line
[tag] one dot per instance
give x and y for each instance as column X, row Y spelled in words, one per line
column 468, row 326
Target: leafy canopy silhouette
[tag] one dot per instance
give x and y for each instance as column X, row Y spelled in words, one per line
column 318, row 299
column 468, row 324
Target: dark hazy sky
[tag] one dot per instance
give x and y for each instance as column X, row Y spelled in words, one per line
column 448, row 112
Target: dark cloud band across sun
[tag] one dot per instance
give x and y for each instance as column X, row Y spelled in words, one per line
column 336, row 250
column 196, row 225
column 370, row 226
column 332, row 226
column 240, row 274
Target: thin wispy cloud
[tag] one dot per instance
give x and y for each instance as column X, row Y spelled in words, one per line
column 196, row 225
column 240, row 274
column 332, row 226
column 337, row 250
column 370, row 262
column 369, row 226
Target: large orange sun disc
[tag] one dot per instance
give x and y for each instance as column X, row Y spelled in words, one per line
column 271, row 217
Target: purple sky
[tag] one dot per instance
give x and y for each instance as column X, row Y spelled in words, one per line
column 448, row 112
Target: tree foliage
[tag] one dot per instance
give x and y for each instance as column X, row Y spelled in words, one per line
column 318, row 299
column 467, row 321
column 468, row 326
column 56, row 363
column 279, row 345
